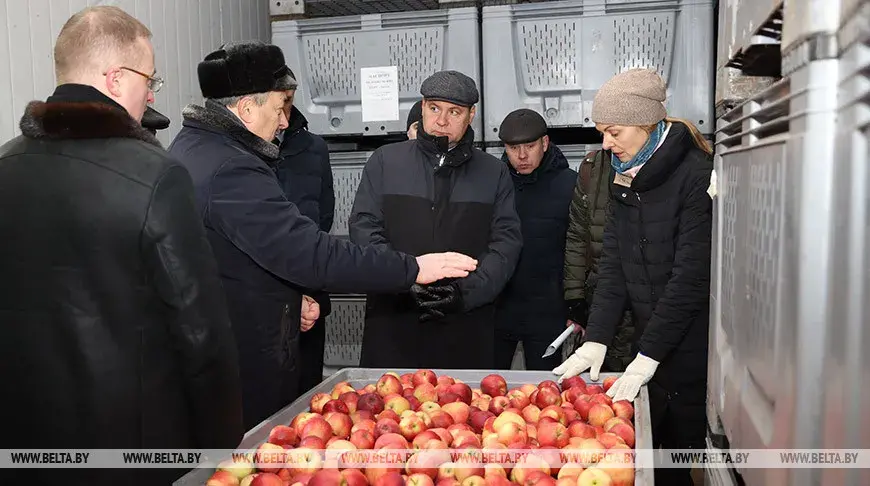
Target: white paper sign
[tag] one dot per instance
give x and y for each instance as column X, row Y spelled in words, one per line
column 380, row 93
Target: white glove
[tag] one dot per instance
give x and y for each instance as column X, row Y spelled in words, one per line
column 637, row 374
column 590, row 357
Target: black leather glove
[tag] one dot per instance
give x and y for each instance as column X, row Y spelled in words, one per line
column 578, row 311
column 436, row 301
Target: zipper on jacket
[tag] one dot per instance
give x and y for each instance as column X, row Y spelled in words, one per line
column 643, row 242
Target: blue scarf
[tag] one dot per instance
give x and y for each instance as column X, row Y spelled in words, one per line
column 645, row 152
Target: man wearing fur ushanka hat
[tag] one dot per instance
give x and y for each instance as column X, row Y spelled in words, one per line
column 656, row 257
column 266, row 250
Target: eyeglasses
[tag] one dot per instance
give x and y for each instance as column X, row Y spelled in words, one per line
column 154, row 82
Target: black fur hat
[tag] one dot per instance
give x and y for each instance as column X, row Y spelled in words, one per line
column 244, row 68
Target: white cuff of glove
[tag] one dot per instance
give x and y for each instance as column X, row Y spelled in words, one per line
column 590, row 357
column 637, row 374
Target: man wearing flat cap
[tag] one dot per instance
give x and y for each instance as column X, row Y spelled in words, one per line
column 531, row 309
column 438, row 193
column 267, row 252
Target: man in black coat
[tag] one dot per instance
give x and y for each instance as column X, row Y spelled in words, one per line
column 438, row 193
column 306, row 178
column 115, row 327
column 267, row 252
column 531, row 308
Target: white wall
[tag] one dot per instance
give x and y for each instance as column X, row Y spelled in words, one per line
column 184, row 32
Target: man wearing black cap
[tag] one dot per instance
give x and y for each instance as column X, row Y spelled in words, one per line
column 438, row 193
column 266, row 250
column 531, row 309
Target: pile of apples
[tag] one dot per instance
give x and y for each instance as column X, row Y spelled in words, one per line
column 439, row 415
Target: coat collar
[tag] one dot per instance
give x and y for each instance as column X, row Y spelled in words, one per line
column 666, row 159
column 437, row 147
column 80, row 120
column 217, row 118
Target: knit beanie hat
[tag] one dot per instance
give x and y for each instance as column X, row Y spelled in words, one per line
column 634, row 97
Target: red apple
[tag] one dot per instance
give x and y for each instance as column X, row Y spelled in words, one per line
column 528, row 388
column 615, row 420
column 533, row 397
column 478, row 419
column 407, row 379
column 573, row 382
column 391, row 438
column 222, row 478
column 448, row 397
column 389, row 479
column 341, row 424
column 396, row 403
column 336, row 406
column 624, row 432
column 360, row 415
column 390, row 415
column 424, row 376
column 464, row 439
column 554, row 412
column 443, row 434
column 354, row 477
column 312, row 442
column 511, row 432
column 623, row 409
column 531, row 413
column 411, row 426
column 270, row 458
column 594, row 389
column 318, row 401
column 553, row 434
column 300, row 420
column 548, row 396
column 371, row 402
column 599, row 414
column 350, row 399
column 463, row 391
column 362, row 439
column 414, row 403
column 608, row 382
column 370, row 388
column 282, row 435
column 570, row 414
column 326, row 477
column 267, row 479
column 386, row 426
column 425, row 392
column 572, row 394
column 518, row 399
column 493, row 385
column 440, row 419
column 317, row 427
column 446, row 380
column 582, row 407
column 582, row 430
column 602, row 399
column 458, row 410
column 387, row 385
column 499, row 404
column 609, row 439
column 419, row 480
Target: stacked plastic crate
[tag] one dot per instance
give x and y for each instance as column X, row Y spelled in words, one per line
column 775, row 287
column 326, row 52
column 847, row 368
column 552, row 57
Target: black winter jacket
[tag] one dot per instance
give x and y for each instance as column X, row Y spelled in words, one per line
column 306, row 178
column 115, row 327
column 532, row 303
column 656, row 256
column 407, row 202
column 267, row 252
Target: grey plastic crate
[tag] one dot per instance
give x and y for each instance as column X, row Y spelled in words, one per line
column 327, row 54
column 346, row 173
column 574, row 153
column 807, row 18
column 742, row 24
column 846, row 362
column 775, row 207
column 359, row 377
column 553, row 57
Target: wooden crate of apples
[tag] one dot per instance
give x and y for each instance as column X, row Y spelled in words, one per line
column 572, row 435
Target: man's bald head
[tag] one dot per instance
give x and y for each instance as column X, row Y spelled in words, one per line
column 96, row 38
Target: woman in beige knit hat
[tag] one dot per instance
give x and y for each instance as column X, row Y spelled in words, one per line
column 656, row 258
